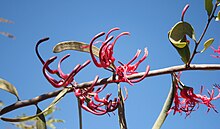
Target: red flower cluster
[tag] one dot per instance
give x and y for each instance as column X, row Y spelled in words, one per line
column 216, row 51
column 65, row 79
column 89, row 96
column 90, row 101
column 107, row 60
column 186, row 100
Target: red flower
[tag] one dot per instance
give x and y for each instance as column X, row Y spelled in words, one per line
column 188, row 100
column 216, row 51
column 90, row 101
column 106, row 50
column 128, row 69
column 65, row 79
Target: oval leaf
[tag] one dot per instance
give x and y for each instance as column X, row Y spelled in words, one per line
column 41, row 122
column 207, row 44
column 178, row 32
column 74, row 45
column 54, row 102
column 208, row 6
column 5, row 85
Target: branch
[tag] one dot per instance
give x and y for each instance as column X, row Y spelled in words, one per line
column 152, row 73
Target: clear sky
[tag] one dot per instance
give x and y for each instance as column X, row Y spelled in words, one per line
column 148, row 22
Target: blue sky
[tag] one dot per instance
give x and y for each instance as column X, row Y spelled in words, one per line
column 147, row 21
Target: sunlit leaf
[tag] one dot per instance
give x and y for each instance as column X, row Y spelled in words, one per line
column 41, row 122
column 53, row 103
column 218, row 16
column 207, row 44
column 1, row 103
column 209, row 6
column 183, row 52
column 73, row 45
column 5, row 85
column 179, row 31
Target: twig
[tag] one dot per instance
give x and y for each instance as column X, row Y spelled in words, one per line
column 152, row 73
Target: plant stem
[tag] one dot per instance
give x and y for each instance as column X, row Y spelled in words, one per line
column 201, row 37
column 168, row 70
column 80, row 114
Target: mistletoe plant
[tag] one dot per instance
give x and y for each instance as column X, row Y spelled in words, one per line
column 181, row 98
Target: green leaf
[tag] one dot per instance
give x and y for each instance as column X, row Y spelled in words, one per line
column 41, row 122
column 207, row 44
column 53, row 103
column 73, row 45
column 218, row 16
column 209, row 6
column 166, row 107
column 183, row 52
column 178, row 33
column 5, row 85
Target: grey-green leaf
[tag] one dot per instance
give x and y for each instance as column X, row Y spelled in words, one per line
column 209, row 6
column 207, row 44
column 177, row 33
column 5, row 85
column 41, row 122
column 74, row 45
column 52, row 104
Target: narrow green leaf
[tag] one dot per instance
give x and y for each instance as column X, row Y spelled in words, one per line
column 74, row 45
column 166, row 107
column 207, row 44
column 5, row 85
column 41, row 122
column 218, row 16
column 209, row 6
column 178, row 33
column 53, row 103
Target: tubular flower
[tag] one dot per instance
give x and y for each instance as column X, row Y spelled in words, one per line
column 91, row 102
column 187, row 100
column 125, row 70
column 65, row 79
column 216, row 51
column 106, row 50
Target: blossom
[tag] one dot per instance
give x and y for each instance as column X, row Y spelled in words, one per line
column 107, row 60
column 91, row 102
column 216, row 51
column 65, row 79
column 106, row 50
column 125, row 70
column 186, row 100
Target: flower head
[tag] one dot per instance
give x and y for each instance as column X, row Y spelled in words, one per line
column 186, row 100
column 106, row 50
column 125, row 70
column 65, row 79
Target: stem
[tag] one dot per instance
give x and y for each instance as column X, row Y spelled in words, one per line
column 168, row 70
column 166, row 107
column 121, row 110
column 201, row 37
column 80, row 114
